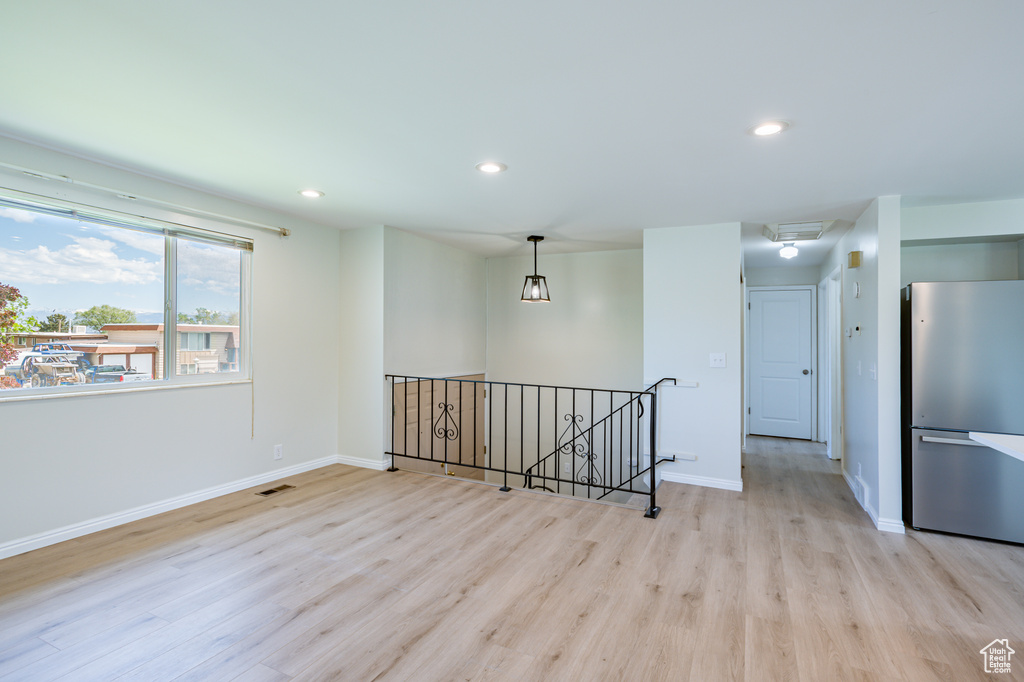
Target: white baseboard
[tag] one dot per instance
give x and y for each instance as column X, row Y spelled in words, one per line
column 22, row 545
column 891, row 525
column 375, row 464
column 849, row 480
column 705, row 481
column 882, row 524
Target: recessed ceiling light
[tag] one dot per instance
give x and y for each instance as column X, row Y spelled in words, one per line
column 769, row 128
column 491, row 167
column 311, row 193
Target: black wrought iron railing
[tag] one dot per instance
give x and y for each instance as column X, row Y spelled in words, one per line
column 585, row 442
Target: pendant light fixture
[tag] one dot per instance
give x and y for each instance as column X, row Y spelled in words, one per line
column 536, row 287
column 788, row 250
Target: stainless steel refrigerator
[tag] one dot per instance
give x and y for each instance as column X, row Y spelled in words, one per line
column 963, row 370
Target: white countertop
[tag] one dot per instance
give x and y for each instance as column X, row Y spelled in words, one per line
column 1011, row 445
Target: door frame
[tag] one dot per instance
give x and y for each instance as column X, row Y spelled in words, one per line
column 813, row 289
column 832, row 370
column 821, row 433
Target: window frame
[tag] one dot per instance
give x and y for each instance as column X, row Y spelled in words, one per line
column 172, row 233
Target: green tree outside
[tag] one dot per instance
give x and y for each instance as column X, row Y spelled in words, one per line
column 12, row 320
column 95, row 317
column 56, row 322
column 207, row 316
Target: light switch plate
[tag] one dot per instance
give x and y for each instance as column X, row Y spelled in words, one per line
column 716, row 360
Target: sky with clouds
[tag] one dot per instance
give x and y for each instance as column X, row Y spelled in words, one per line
column 66, row 265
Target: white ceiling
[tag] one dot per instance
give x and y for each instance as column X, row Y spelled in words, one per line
column 611, row 116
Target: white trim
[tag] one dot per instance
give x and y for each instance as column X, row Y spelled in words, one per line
column 848, row 479
column 157, row 385
column 746, row 363
column 52, row 537
column 835, row 363
column 821, row 368
column 93, row 189
column 703, row 481
column 884, row 525
column 375, row 464
column 891, row 526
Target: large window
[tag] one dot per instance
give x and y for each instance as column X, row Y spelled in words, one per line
column 209, row 294
column 90, row 299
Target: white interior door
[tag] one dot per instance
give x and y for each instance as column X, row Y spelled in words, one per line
column 781, row 353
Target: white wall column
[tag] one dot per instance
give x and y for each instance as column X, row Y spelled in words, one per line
column 361, row 377
column 692, row 308
column 871, row 361
column 890, row 489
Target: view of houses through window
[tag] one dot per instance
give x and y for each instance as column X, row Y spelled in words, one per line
column 82, row 301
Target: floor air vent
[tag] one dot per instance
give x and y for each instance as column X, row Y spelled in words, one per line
column 274, row 491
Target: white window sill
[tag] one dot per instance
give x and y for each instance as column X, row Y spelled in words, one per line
column 74, row 392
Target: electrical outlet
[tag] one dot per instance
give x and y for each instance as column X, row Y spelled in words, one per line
column 567, row 468
column 278, row 451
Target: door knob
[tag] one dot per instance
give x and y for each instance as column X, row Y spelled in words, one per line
column 807, row 371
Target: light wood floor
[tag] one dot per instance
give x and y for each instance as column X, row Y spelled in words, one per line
column 362, row 575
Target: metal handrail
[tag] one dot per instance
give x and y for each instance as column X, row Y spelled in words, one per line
column 638, row 398
column 639, row 473
column 599, row 465
column 512, row 383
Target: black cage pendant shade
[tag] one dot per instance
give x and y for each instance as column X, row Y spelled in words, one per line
column 536, row 287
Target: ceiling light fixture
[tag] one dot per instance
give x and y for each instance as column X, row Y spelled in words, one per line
column 769, row 128
column 491, row 167
column 788, row 250
column 536, row 286
column 311, row 193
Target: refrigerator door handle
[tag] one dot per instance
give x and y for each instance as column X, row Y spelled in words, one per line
column 952, row 441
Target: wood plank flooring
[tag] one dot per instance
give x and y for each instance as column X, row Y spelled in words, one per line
column 363, row 575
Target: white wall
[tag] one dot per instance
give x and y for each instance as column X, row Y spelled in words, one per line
column 781, row 276
column 693, row 307
column 435, row 308
column 360, row 418
column 871, row 362
column 958, row 262
column 70, row 461
column 979, row 241
column 589, row 335
column 955, row 221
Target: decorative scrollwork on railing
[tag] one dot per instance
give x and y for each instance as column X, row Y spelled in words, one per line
column 445, row 427
column 587, row 472
column 574, row 441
